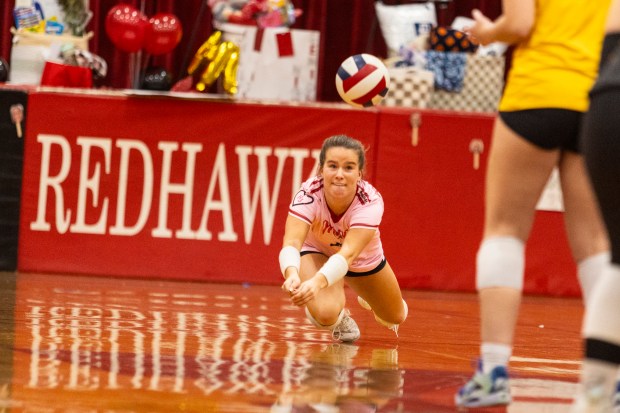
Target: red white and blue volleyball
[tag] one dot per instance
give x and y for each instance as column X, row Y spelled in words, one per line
column 362, row 80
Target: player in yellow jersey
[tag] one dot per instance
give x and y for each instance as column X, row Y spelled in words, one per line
column 555, row 62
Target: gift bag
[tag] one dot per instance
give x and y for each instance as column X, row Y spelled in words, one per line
column 401, row 24
column 409, row 87
column 61, row 75
column 30, row 51
column 482, row 88
column 275, row 63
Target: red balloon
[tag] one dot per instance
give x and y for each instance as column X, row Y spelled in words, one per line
column 126, row 27
column 163, row 33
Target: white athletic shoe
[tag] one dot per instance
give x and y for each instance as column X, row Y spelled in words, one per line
column 593, row 400
column 346, row 330
column 492, row 389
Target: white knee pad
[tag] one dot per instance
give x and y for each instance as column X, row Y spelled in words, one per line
column 601, row 320
column 589, row 271
column 500, row 263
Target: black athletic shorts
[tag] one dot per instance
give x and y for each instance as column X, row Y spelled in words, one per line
column 353, row 273
column 546, row 128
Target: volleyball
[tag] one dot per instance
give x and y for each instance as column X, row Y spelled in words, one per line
column 362, row 80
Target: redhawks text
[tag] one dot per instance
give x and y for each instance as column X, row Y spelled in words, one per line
column 122, row 183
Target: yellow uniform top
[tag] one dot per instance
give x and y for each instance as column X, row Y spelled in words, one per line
column 557, row 64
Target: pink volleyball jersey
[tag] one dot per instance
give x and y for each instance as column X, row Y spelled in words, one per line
column 327, row 230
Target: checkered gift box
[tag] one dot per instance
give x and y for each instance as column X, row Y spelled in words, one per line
column 409, row 87
column 482, row 86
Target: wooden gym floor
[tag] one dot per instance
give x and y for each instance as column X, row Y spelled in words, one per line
column 94, row 344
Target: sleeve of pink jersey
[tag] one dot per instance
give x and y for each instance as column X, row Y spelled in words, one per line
column 303, row 206
column 368, row 215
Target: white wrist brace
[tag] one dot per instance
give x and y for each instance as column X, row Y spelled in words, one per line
column 289, row 257
column 335, row 268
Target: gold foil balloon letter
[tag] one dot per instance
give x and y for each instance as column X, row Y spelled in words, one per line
column 213, row 58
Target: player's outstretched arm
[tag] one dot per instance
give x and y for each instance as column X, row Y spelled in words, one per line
column 295, row 232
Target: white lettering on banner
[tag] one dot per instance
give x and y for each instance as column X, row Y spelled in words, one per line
column 126, row 146
column 45, row 181
column 261, row 189
column 91, row 184
column 167, row 188
column 220, row 173
column 92, row 209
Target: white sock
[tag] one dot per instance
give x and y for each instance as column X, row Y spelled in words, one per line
column 589, row 271
column 598, row 379
column 493, row 355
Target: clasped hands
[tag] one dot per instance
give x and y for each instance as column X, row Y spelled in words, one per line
column 301, row 293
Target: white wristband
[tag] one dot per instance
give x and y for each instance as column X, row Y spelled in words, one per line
column 289, row 257
column 335, row 268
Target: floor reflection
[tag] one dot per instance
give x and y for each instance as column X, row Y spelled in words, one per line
column 98, row 345
column 331, row 383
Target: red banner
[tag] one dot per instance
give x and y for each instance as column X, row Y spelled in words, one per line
column 167, row 188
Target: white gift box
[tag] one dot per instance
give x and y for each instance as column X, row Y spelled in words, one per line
column 275, row 63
